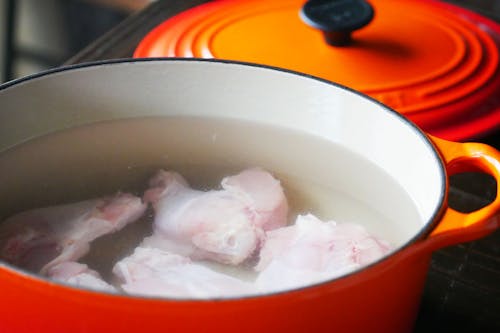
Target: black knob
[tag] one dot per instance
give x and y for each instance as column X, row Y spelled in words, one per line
column 337, row 18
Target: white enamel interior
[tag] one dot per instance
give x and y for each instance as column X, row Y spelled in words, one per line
column 234, row 91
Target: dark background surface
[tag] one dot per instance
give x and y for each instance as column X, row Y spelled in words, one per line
column 462, row 293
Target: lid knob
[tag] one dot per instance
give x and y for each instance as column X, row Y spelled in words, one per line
column 337, row 18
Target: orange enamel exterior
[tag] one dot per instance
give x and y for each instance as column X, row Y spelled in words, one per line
column 383, row 299
column 463, row 157
column 433, row 62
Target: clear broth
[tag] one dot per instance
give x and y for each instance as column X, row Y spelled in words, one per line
column 94, row 160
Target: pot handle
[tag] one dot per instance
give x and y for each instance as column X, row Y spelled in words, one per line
column 456, row 227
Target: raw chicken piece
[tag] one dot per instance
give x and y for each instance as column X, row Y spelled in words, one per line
column 78, row 275
column 41, row 238
column 261, row 191
column 311, row 251
column 226, row 226
column 154, row 272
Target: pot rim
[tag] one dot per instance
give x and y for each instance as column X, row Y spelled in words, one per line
column 425, row 230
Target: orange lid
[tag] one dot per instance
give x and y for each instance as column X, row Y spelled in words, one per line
column 422, row 58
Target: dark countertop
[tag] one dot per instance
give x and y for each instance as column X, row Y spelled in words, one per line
column 462, row 293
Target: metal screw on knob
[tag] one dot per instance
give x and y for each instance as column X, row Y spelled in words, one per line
column 337, row 19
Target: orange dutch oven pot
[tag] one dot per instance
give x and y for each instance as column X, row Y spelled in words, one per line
column 382, row 297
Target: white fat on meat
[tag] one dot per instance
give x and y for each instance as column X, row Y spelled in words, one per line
column 78, row 275
column 227, row 226
column 154, row 272
column 311, row 251
column 41, row 238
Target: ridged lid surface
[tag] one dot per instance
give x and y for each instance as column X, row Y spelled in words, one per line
column 435, row 63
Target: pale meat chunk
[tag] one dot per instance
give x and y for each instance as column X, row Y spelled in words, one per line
column 311, row 251
column 40, row 238
column 263, row 193
column 78, row 275
column 154, row 272
column 226, row 226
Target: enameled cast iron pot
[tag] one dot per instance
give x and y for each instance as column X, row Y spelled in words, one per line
column 383, row 297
